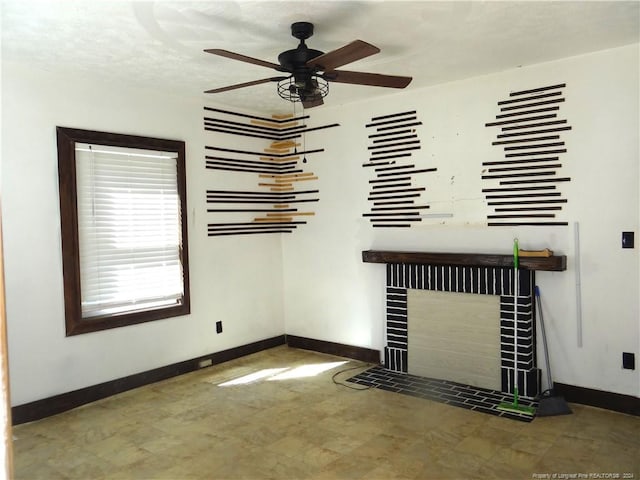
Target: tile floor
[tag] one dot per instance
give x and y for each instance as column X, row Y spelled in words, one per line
column 280, row 416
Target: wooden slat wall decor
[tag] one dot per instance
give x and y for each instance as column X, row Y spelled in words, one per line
column 393, row 192
column 280, row 203
column 523, row 188
column 276, row 129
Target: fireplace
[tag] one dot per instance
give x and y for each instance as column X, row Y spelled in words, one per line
column 478, row 274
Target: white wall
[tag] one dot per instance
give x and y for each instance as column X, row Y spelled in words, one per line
column 330, row 294
column 234, row 279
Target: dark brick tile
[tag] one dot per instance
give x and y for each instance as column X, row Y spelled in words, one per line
column 490, row 411
column 457, row 403
column 482, row 403
column 455, row 398
column 388, row 388
column 470, row 395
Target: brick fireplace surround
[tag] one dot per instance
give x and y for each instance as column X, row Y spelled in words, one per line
column 483, row 274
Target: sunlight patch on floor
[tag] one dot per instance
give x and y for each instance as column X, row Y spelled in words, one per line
column 304, row 371
column 253, row 377
column 286, row 373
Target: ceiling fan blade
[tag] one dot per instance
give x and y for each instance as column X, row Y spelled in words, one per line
column 315, row 102
column 363, row 78
column 246, row 84
column 244, row 58
column 343, row 55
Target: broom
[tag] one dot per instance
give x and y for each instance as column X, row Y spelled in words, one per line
column 515, row 407
column 549, row 403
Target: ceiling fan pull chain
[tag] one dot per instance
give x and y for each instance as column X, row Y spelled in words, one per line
column 295, row 147
column 304, row 140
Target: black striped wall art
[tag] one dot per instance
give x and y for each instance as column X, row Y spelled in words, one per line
column 282, row 200
column 523, row 186
column 471, row 280
column 394, row 192
column 277, row 128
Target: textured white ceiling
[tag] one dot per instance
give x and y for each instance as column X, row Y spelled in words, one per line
column 159, row 45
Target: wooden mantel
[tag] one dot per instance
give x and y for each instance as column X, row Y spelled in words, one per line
column 554, row 263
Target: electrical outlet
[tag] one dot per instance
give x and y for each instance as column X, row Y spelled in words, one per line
column 218, row 327
column 628, row 361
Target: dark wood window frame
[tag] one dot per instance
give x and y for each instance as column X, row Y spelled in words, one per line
column 67, row 138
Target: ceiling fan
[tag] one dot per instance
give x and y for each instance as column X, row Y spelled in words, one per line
column 309, row 70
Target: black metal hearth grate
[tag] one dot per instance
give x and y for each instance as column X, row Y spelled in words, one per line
column 443, row 391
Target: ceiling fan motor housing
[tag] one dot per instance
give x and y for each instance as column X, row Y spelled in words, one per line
column 295, row 60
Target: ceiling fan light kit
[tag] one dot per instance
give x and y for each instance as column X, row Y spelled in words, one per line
column 310, row 71
column 294, row 91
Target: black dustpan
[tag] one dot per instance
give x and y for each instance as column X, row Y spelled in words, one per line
column 551, row 405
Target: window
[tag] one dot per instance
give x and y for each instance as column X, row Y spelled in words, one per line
column 124, row 229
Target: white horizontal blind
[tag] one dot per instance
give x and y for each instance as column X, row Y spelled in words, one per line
column 129, row 229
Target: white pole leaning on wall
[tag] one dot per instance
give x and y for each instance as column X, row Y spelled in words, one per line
column 576, row 261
